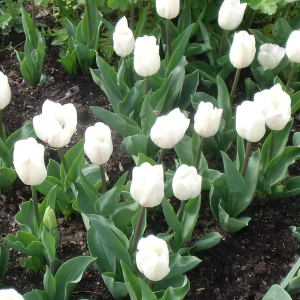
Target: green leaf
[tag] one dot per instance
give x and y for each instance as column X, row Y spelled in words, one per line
column 171, row 217
column 25, row 217
column 141, row 23
column 147, row 294
column 48, row 241
column 132, row 283
column 177, row 293
column 53, row 169
column 183, row 151
column 276, row 292
column 49, row 284
column 34, row 295
column 4, row 258
column 266, row 6
column 223, row 99
column 117, row 288
column 91, row 173
column 7, row 178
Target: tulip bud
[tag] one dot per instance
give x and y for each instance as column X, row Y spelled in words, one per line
column 168, row 9
column 186, row 183
column 29, row 161
column 152, row 258
column 168, row 130
column 207, row 119
column 123, row 38
column 270, row 55
column 5, row 92
column 56, row 124
column 231, row 14
column 146, row 56
column 292, row 48
column 250, row 123
column 242, row 50
column 275, row 105
column 147, row 186
column 98, row 145
column 49, row 219
column 10, row 294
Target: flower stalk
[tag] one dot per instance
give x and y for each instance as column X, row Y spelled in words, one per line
column 35, row 206
column 147, row 85
column 235, row 84
column 169, row 42
column 63, row 160
column 222, row 43
column 161, row 155
column 199, row 153
column 103, row 180
column 246, row 160
column 291, row 76
column 137, row 230
column 271, row 146
column 181, row 210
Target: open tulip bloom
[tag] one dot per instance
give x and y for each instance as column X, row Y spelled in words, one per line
column 10, row 294
column 270, row 55
column 5, row 96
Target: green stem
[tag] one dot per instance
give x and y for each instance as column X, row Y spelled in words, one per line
column 288, row 11
column 63, row 160
column 222, row 43
column 248, row 152
column 147, row 85
column 150, row 284
column 137, row 230
column 88, row 11
column 103, row 180
column 125, row 68
column 1, row 124
column 35, row 206
column 161, row 155
column 131, row 14
column 271, row 146
column 169, row 42
column 199, row 153
column 291, row 76
column 181, row 210
column 235, row 84
column 52, row 265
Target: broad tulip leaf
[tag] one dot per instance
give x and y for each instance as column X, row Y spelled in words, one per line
column 35, row 295
column 25, row 217
column 295, row 102
column 281, row 31
column 53, row 169
column 171, row 217
column 200, row 96
column 240, row 153
column 291, row 274
column 217, row 193
column 276, row 292
column 143, row 158
column 7, row 178
column 294, row 285
column 147, row 294
column 91, row 173
column 117, row 288
column 132, row 283
column 223, row 99
column 48, row 241
column 49, row 284
column 33, row 263
column 4, row 257
column 292, row 187
column 183, row 151
column 141, row 23
column 212, row 177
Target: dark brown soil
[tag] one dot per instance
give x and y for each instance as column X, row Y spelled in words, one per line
column 242, row 267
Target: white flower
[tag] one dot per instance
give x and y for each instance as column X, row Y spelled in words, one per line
column 29, row 161
column 168, row 130
column 56, row 124
column 123, row 38
column 231, row 14
column 152, row 258
column 250, row 123
column 167, row 9
column 270, row 55
column 98, row 145
column 147, row 186
column 186, row 183
column 10, row 294
column 207, row 119
column 146, row 56
column 5, row 92
column 275, row 105
column 242, row 50
column 292, row 48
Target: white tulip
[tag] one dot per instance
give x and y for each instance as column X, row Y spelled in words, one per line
column 152, row 258
column 5, row 92
column 147, row 186
column 123, row 38
column 242, row 50
column 186, row 183
column 292, row 48
column 10, row 294
column 231, row 14
column 56, row 124
column 275, row 105
column 168, row 130
column 207, row 119
column 250, row 123
column 29, row 161
column 98, row 145
column 146, row 56
column 168, row 9
column 270, row 55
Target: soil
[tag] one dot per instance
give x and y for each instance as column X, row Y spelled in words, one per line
column 242, row 267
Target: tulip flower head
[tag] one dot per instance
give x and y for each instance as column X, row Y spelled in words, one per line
column 29, row 161
column 123, row 38
column 168, row 9
column 152, row 258
column 146, row 56
column 98, row 144
column 5, row 92
column 49, row 219
column 56, row 124
column 231, row 14
column 207, row 119
column 270, row 55
column 250, row 123
column 168, row 130
column 186, row 183
column 10, row 294
column 242, row 50
column 147, row 186
column 275, row 105
column 292, row 48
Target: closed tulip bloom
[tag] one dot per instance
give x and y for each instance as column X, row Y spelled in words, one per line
column 186, row 183
column 146, row 56
column 242, row 50
column 152, row 258
column 207, row 119
column 56, row 124
column 168, row 130
column 292, row 48
column 275, row 105
column 98, row 145
column 49, row 219
column 167, row 9
column 147, row 186
column 5, row 92
column 10, row 294
column 270, row 55
column 123, row 38
column 231, row 14
column 29, row 161
column 250, row 123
